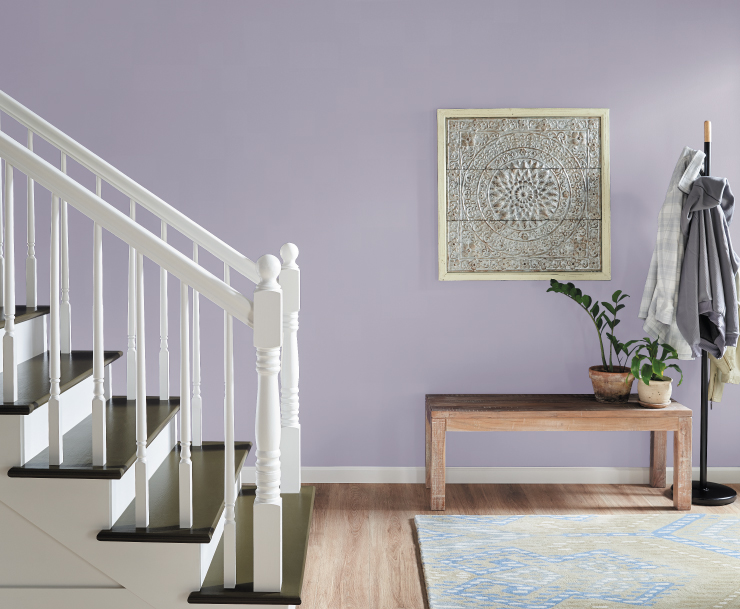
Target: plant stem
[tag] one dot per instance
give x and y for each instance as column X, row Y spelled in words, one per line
column 611, row 345
column 601, row 342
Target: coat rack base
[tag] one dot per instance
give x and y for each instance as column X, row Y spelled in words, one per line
column 711, row 494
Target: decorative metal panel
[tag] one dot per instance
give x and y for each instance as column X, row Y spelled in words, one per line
column 524, row 196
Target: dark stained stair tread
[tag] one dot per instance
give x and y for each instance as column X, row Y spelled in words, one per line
column 120, row 432
column 24, row 313
column 33, row 378
column 164, row 514
column 297, row 510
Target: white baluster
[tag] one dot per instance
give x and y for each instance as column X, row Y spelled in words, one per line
column 290, row 439
column 10, row 372
column 142, row 484
column 56, row 446
column 164, row 352
column 66, row 310
column 186, row 465
column 229, row 465
column 98, row 400
column 197, row 399
column 31, row 295
column 2, row 237
column 267, row 515
column 131, row 349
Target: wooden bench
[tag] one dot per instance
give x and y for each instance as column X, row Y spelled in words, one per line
column 559, row 412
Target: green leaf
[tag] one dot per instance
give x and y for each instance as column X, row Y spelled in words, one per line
column 620, row 307
column 658, row 368
column 623, row 296
column 571, row 289
column 679, row 370
column 618, row 347
column 636, row 367
column 615, row 296
column 629, row 343
column 595, row 310
column 616, row 322
column 586, row 301
column 645, row 373
column 609, row 307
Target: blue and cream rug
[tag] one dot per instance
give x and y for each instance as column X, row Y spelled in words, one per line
column 689, row 561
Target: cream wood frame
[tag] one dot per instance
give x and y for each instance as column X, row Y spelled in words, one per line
column 601, row 113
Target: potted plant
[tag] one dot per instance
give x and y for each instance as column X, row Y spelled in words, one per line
column 653, row 387
column 611, row 382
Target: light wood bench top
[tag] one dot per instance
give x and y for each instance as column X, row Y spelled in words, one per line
column 566, row 405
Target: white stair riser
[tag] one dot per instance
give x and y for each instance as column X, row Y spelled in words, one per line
column 123, row 490
column 208, row 550
column 30, row 339
column 76, row 405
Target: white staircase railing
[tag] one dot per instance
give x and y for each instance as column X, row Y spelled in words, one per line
column 274, row 312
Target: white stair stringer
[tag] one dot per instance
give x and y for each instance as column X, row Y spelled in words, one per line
column 41, row 572
column 161, row 574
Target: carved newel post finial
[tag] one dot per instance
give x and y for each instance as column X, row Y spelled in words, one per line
column 267, row 513
column 289, row 253
column 268, row 266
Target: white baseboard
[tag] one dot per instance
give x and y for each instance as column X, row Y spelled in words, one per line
column 495, row 475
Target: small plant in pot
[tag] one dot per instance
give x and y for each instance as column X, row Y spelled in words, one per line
column 653, row 386
column 612, row 381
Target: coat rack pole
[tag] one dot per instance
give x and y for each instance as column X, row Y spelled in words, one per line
column 704, row 492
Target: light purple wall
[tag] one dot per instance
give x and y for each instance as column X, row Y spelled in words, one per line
column 314, row 122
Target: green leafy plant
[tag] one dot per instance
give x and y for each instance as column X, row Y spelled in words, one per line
column 654, row 367
column 601, row 320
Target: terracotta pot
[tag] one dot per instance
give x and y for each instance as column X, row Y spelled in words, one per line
column 657, row 392
column 611, row 386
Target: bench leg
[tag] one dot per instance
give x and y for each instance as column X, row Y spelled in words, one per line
column 427, row 451
column 658, row 441
column 439, row 427
column 682, row 465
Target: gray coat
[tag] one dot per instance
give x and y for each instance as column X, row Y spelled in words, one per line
column 707, row 313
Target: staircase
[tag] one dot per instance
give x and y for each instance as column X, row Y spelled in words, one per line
column 117, row 501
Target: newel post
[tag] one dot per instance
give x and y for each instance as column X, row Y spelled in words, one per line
column 268, row 338
column 290, row 442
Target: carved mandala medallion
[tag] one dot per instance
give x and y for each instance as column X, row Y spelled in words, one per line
column 523, row 195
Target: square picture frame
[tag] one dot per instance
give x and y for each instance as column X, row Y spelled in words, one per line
column 523, row 194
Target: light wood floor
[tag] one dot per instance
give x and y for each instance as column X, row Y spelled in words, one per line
column 362, row 553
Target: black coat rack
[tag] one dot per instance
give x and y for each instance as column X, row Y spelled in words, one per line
column 702, row 491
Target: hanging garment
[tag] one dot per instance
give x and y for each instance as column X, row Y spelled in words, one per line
column 727, row 368
column 659, row 299
column 706, row 313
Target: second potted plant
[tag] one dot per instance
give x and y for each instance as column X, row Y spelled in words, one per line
column 653, row 386
column 612, row 382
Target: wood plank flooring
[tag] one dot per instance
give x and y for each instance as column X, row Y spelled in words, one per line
column 362, row 553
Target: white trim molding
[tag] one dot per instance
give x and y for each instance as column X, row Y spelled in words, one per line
column 495, row 475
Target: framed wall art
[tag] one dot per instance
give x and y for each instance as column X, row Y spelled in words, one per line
column 524, row 194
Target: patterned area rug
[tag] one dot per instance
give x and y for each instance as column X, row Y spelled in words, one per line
column 689, row 561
